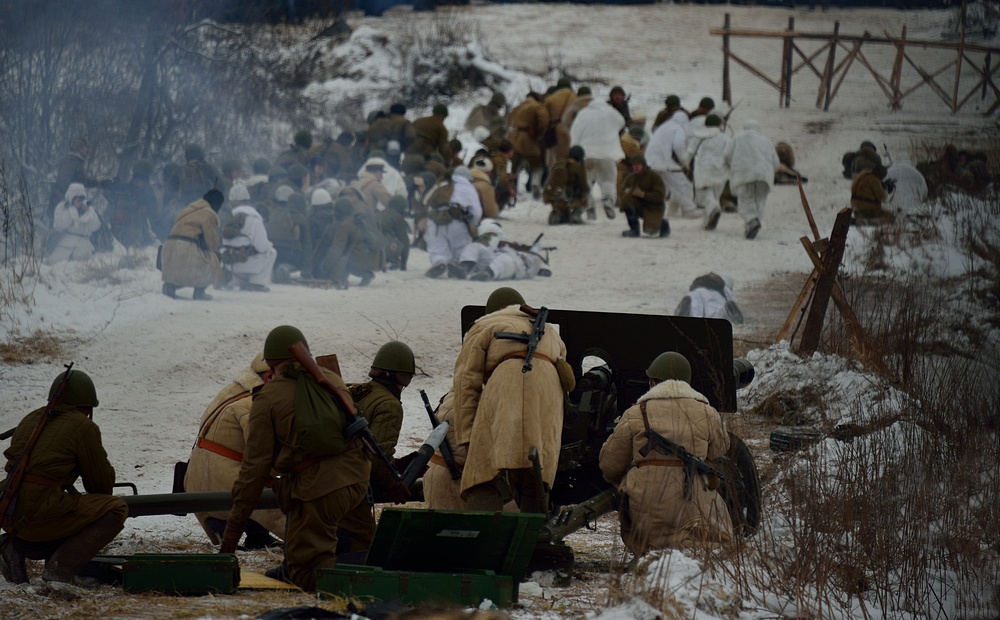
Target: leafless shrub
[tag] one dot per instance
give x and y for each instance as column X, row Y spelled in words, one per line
column 114, row 269
column 20, row 259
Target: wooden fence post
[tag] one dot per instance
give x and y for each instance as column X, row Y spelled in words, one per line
column 786, row 82
column 826, row 84
column 897, row 71
column 958, row 60
column 825, row 284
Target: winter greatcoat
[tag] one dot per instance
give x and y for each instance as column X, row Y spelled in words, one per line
column 431, row 136
column 706, row 153
column 225, row 425
column 655, row 512
column 257, row 267
column 567, row 187
column 867, row 195
column 327, row 490
column 484, row 189
column 367, row 193
column 440, row 491
column 501, row 411
column 528, row 123
column 667, row 147
column 557, row 103
column 68, row 449
column 189, row 253
column 751, row 157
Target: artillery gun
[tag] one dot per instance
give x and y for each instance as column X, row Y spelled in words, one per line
column 609, row 353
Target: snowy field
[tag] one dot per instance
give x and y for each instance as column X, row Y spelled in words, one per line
column 157, row 362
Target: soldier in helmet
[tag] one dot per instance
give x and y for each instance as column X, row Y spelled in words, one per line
column 567, row 189
column 501, row 419
column 320, row 481
column 644, row 196
column 664, row 503
column 215, row 459
column 298, row 152
column 430, row 136
column 65, row 529
column 379, row 400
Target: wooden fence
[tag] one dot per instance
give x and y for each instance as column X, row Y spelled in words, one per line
column 957, row 57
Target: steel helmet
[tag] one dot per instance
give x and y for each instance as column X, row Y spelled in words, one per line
column 281, row 337
column 503, row 297
column 79, row 390
column 321, row 197
column 283, row 193
column 480, row 133
column 395, row 356
column 670, row 366
column 239, row 192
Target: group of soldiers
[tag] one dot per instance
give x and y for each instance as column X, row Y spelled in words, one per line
column 878, row 192
column 286, row 422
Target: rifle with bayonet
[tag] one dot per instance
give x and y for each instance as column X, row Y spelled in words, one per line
column 446, row 452
column 8, row 494
column 691, row 462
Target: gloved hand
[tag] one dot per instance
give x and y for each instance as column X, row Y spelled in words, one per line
column 638, row 193
column 398, row 492
column 231, row 537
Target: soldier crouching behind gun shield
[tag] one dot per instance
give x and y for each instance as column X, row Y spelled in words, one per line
column 656, row 457
column 505, row 404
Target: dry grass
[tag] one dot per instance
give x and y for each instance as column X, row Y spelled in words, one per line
column 34, row 348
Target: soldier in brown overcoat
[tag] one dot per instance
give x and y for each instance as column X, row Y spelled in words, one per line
column 190, row 253
column 643, row 196
column 502, row 412
column 527, row 123
column 664, row 503
column 557, row 102
column 215, row 460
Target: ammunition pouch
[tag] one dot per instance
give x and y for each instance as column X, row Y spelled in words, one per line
column 282, row 488
column 567, row 379
column 445, row 215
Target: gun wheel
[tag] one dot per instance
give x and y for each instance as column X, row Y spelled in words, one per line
column 742, row 487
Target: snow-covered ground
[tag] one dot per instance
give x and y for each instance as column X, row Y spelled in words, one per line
column 157, row 362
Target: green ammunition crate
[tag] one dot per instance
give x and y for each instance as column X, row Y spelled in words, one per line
column 181, row 573
column 373, row 583
column 440, row 555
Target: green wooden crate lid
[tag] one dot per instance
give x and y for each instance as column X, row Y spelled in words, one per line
column 455, row 541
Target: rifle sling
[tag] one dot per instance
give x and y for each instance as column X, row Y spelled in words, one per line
column 658, row 446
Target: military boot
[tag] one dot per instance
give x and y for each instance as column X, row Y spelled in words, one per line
column 201, row 295
column 633, row 223
column 80, row 548
column 664, row 229
column 11, row 561
column 170, row 290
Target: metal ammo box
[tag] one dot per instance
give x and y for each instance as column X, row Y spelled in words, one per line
column 181, row 573
column 447, row 556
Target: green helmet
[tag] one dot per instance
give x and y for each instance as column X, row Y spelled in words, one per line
column 706, row 103
column 399, row 203
column 395, row 356
column 303, row 138
column 281, row 337
column 79, row 390
column 498, row 100
column 297, row 172
column 584, row 91
column 503, row 297
column 712, row 120
column 670, row 366
column 440, row 109
column 576, row 152
column 673, row 101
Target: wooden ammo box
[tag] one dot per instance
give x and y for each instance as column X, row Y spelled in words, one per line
column 447, row 556
column 181, row 573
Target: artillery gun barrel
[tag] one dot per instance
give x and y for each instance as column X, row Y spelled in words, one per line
column 188, row 503
column 582, row 515
column 743, row 371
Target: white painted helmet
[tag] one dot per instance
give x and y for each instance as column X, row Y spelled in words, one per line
column 480, row 133
column 320, row 197
column 239, row 192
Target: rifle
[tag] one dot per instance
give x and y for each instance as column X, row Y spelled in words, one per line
column 725, row 117
column 446, row 453
column 537, row 331
column 691, row 462
column 357, row 425
column 8, row 494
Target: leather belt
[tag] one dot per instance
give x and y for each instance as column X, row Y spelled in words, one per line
column 661, row 463
column 437, row 459
column 862, row 199
column 524, row 354
column 221, row 450
column 39, row 480
column 184, row 238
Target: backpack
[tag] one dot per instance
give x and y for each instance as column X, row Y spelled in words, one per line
column 281, row 227
column 441, row 195
column 234, row 227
